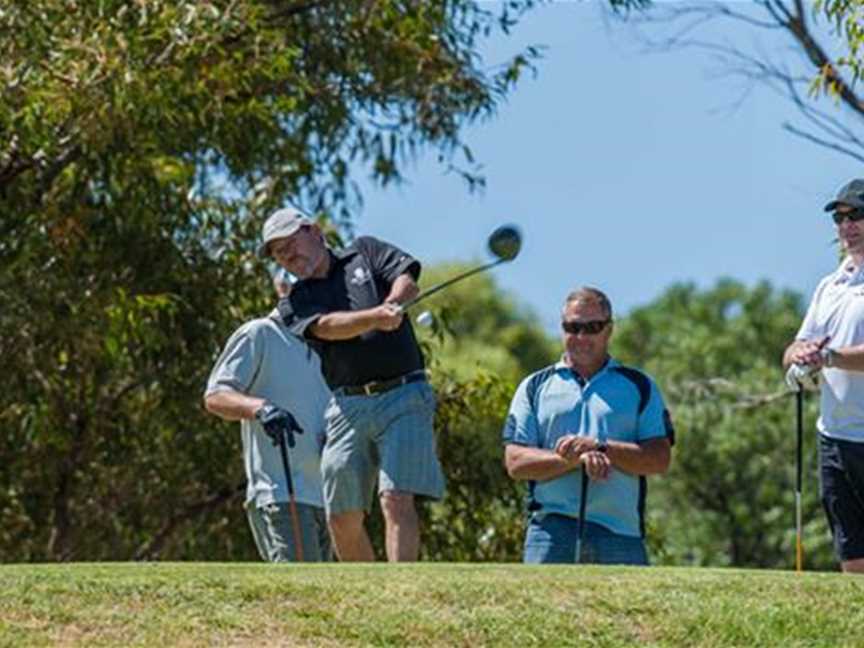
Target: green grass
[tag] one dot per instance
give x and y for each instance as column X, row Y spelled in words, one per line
column 205, row 604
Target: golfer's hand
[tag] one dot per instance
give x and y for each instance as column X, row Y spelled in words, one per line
column 572, row 446
column 278, row 423
column 597, row 465
column 388, row 316
column 809, row 353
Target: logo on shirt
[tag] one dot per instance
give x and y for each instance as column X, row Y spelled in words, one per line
column 360, row 276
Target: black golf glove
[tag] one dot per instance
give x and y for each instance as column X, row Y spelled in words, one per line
column 278, row 422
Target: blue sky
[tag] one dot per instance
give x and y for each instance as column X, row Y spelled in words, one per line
column 625, row 170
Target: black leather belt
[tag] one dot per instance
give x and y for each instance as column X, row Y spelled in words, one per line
column 379, row 386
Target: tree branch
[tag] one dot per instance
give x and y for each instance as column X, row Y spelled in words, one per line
column 792, row 17
column 824, row 64
column 150, row 550
column 822, row 142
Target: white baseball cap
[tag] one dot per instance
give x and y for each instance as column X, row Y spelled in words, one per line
column 281, row 224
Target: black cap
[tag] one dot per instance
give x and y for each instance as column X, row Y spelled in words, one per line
column 852, row 194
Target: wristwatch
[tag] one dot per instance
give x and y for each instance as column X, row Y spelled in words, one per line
column 829, row 357
column 602, row 446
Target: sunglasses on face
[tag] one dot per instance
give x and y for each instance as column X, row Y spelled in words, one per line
column 854, row 216
column 590, row 328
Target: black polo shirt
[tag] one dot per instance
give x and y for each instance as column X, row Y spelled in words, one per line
column 360, row 277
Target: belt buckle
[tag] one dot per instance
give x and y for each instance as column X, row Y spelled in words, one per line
column 367, row 388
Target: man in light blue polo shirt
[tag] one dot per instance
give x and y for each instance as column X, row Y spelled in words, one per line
column 587, row 414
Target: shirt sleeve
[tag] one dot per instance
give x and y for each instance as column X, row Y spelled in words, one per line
column 299, row 314
column 655, row 421
column 521, row 426
column 238, row 364
column 810, row 328
column 388, row 261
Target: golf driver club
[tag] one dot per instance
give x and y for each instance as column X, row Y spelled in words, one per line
column 292, row 503
column 504, row 244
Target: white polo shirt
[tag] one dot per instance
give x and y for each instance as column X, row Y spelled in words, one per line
column 263, row 359
column 837, row 310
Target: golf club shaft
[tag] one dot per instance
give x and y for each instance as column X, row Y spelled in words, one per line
column 434, row 289
column 583, row 507
column 799, row 457
column 292, row 504
column 295, row 524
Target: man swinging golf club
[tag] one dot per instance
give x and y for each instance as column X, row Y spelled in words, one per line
column 271, row 382
column 587, row 419
column 379, row 426
column 831, row 342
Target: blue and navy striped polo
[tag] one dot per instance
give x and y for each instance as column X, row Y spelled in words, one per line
column 618, row 403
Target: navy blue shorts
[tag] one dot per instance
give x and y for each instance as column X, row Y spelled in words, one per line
column 842, row 491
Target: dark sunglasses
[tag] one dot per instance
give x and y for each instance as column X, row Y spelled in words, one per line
column 590, row 328
column 853, row 216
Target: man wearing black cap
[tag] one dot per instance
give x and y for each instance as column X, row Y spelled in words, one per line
column 831, row 341
column 379, row 422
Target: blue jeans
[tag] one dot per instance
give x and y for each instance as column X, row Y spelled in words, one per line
column 552, row 538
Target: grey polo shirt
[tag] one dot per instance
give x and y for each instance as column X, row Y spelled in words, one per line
column 360, row 277
column 262, row 358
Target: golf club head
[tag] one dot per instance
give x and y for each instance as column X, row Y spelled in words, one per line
column 505, row 242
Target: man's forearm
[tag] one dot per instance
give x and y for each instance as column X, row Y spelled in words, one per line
column 403, row 289
column 850, row 358
column 232, row 405
column 650, row 458
column 534, row 463
column 344, row 325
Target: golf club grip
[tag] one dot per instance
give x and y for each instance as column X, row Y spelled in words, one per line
column 434, row 289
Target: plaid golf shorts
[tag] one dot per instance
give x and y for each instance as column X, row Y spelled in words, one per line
column 386, row 439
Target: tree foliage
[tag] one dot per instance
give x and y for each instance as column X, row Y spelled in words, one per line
column 484, row 344
column 140, row 145
column 483, row 328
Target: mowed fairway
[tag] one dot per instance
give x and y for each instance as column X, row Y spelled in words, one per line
column 202, row 604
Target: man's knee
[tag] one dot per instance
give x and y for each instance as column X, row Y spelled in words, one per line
column 398, row 507
column 348, row 523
